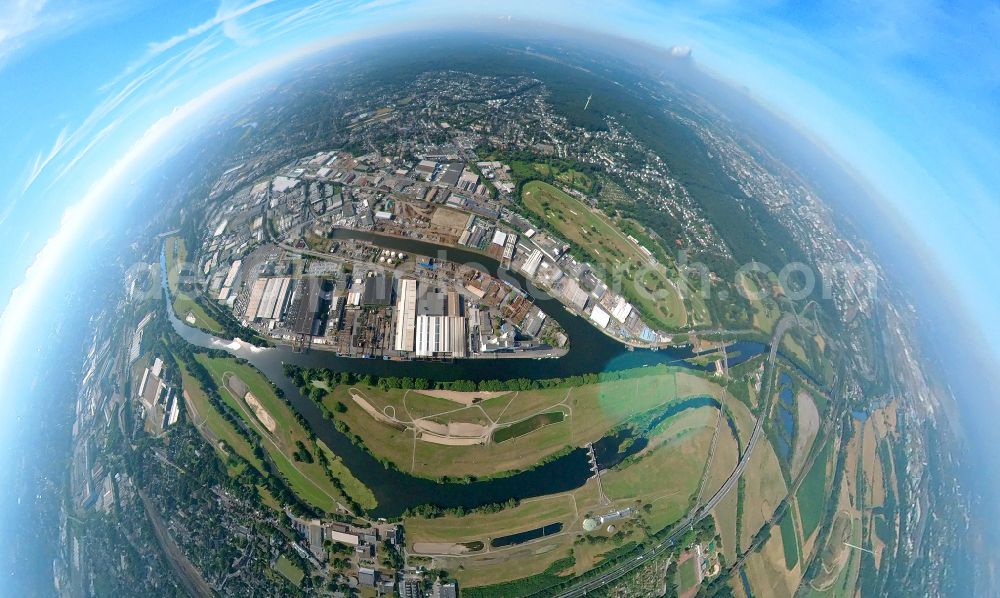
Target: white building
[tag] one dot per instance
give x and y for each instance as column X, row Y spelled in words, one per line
column 406, row 312
column 600, row 317
column 531, row 264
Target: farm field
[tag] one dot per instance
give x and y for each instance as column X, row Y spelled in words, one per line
column 767, row 571
column 725, row 522
column 807, row 428
column 764, row 489
column 661, row 303
column 811, row 495
column 789, row 539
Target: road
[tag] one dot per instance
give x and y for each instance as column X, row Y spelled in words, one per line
column 697, row 513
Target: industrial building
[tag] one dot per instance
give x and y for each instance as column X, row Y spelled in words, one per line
column 377, row 291
column 268, row 298
column 406, row 313
column 600, row 317
column 440, row 336
column 531, row 264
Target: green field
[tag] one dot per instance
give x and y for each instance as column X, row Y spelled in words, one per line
column 289, row 570
column 788, row 539
column 529, row 425
column 687, row 575
column 204, row 414
column 591, row 411
column 666, row 477
column 184, row 304
column 811, row 495
column 308, row 480
column 649, row 289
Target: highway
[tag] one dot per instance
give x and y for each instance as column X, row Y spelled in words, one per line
column 697, row 513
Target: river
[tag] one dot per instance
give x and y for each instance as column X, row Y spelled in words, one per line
column 590, row 351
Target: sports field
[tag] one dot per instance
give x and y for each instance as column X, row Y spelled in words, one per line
column 289, row 570
column 648, row 288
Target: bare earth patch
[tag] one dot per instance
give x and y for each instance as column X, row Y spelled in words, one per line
column 261, row 413
column 808, row 426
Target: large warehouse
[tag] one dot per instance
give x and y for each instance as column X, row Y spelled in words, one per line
column 440, row 336
column 406, row 313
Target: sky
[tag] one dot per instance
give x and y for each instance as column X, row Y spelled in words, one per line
column 905, row 93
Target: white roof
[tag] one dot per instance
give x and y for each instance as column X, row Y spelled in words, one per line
column 221, row 228
column 600, row 317
column 499, row 238
column 621, row 310
column 283, row 184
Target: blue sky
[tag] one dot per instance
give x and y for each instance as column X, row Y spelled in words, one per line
column 903, row 92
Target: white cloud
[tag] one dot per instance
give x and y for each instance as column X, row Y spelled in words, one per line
column 18, row 20
column 224, row 19
column 28, row 24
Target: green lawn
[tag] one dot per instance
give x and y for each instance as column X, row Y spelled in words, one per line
column 649, row 290
column 528, row 425
column 687, row 575
column 289, row 570
column 812, row 493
